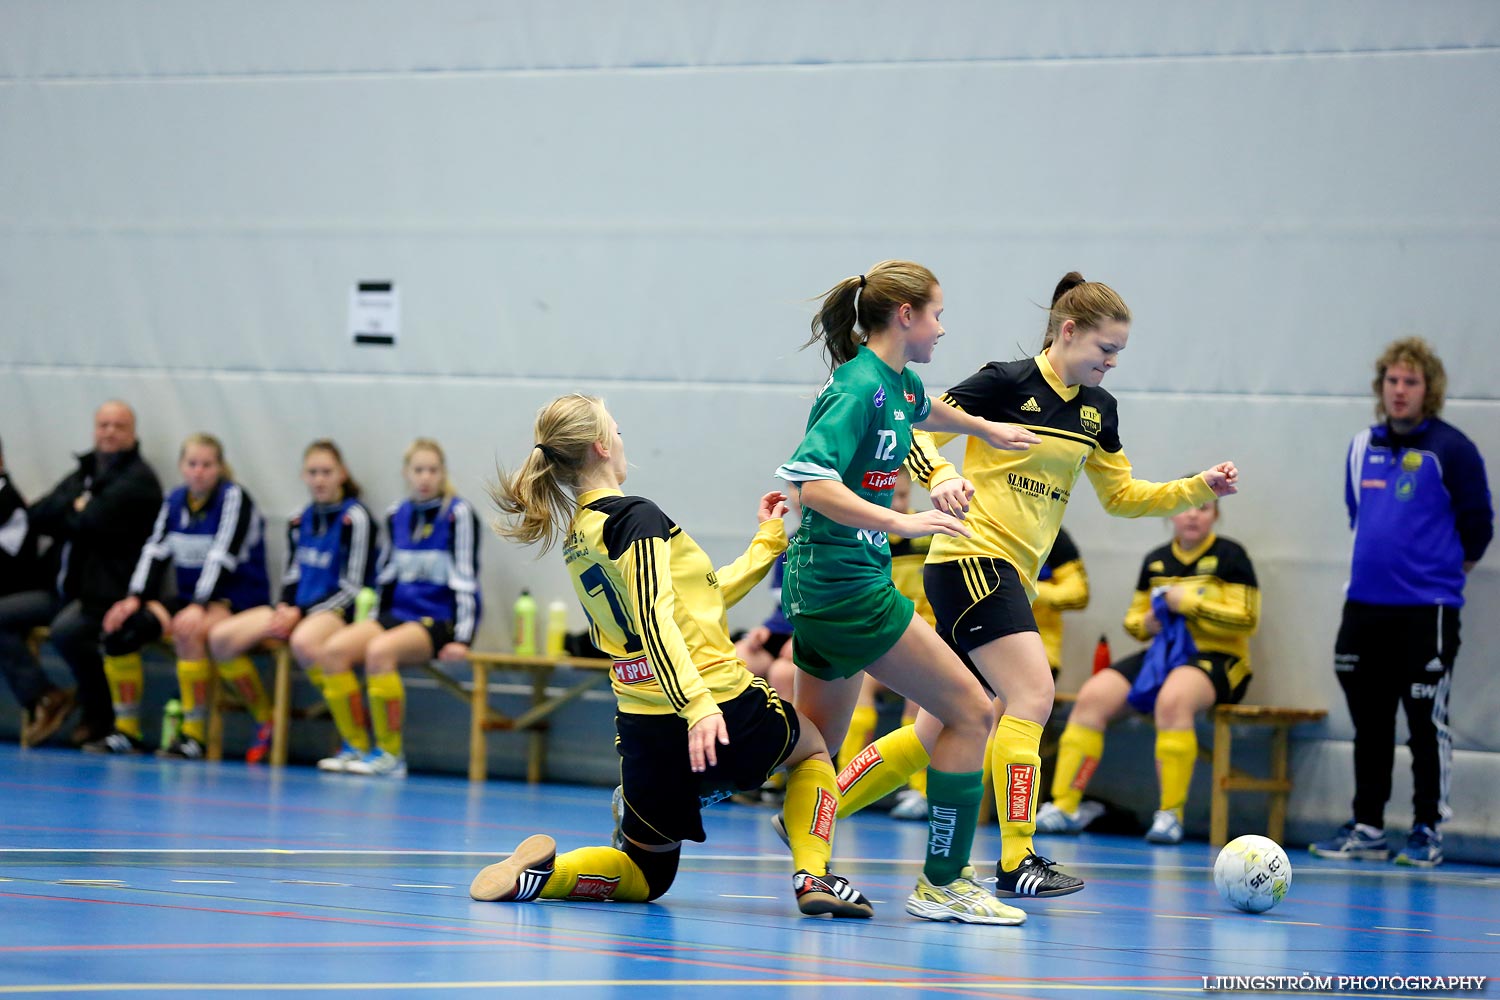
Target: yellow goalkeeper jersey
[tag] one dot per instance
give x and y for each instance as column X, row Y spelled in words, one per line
column 656, row 604
column 1020, row 496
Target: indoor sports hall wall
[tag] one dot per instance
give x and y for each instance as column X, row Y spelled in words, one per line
column 639, row 200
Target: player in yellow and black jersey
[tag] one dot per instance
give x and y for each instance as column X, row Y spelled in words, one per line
column 1062, row 585
column 694, row 726
column 1208, row 581
column 981, row 585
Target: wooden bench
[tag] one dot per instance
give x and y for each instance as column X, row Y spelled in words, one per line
column 483, row 717
column 1226, row 779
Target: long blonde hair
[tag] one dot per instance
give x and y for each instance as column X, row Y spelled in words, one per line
column 536, row 501
column 226, row 473
column 428, row 444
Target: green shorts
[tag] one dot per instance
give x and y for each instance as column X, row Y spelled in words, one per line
column 843, row 638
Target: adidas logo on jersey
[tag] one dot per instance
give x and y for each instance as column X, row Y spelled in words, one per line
column 1030, row 406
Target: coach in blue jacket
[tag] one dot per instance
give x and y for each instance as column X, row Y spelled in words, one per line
column 1419, row 504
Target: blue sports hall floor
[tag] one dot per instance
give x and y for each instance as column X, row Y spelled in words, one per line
column 135, row 876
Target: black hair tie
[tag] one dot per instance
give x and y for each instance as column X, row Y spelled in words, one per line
column 861, row 281
column 551, row 453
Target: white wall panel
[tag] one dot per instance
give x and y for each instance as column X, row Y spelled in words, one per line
column 639, row 200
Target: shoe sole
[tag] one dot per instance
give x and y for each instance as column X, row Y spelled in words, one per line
column 1350, row 855
column 1402, row 859
column 499, row 880
column 332, row 766
column 937, row 911
column 1169, row 841
column 1044, row 894
column 816, row 904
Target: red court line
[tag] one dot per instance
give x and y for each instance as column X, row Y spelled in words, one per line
column 519, row 938
column 261, row 806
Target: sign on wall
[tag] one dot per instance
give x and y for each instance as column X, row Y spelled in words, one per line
column 374, row 313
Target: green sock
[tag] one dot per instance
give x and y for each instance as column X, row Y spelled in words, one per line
column 952, row 813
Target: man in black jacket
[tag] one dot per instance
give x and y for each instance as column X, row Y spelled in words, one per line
column 19, row 567
column 98, row 518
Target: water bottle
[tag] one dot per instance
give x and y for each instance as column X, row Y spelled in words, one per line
column 1101, row 654
column 523, row 636
column 171, row 722
column 557, row 628
column 364, row 603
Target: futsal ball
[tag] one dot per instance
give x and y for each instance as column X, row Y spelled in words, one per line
column 1253, row 873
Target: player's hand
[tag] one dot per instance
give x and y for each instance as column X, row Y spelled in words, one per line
column 773, row 504
column 756, row 637
column 1174, row 596
column 283, row 620
column 119, row 611
column 453, row 651
column 703, row 741
column 1150, row 623
column 1223, row 479
column 952, row 496
column 932, row 522
column 1007, row 437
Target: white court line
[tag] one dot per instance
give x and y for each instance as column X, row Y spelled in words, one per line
column 89, row 881
column 1414, row 930
column 417, row 885
column 730, row 895
column 1059, row 909
column 203, row 881
column 1181, row 916
column 303, row 881
column 1295, row 923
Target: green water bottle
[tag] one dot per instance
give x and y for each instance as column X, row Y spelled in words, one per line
column 523, row 636
column 557, row 628
column 364, row 603
column 171, row 722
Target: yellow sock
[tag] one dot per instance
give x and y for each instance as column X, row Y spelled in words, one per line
column 596, row 873
column 348, row 709
column 125, row 677
column 1078, row 753
column 1176, row 752
column 812, row 805
column 1016, row 760
column 387, row 710
column 989, row 751
column 315, row 677
column 192, row 679
column 240, row 674
column 918, row 780
column 881, row 768
column 861, row 733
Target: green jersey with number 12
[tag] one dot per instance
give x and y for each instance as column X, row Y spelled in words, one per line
column 858, row 434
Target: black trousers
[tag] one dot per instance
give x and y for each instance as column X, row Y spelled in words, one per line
column 1388, row 655
column 74, row 634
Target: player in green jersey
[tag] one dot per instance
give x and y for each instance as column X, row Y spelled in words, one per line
column 837, row 590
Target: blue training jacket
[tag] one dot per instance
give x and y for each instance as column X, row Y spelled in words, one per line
column 330, row 551
column 218, row 551
column 430, row 565
column 1419, row 505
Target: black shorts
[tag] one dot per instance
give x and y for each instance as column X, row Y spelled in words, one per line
column 664, row 797
column 775, row 643
column 1228, row 673
column 977, row 600
column 440, row 632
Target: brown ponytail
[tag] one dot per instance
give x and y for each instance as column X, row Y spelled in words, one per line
column 351, row 488
column 865, row 303
column 1087, row 303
